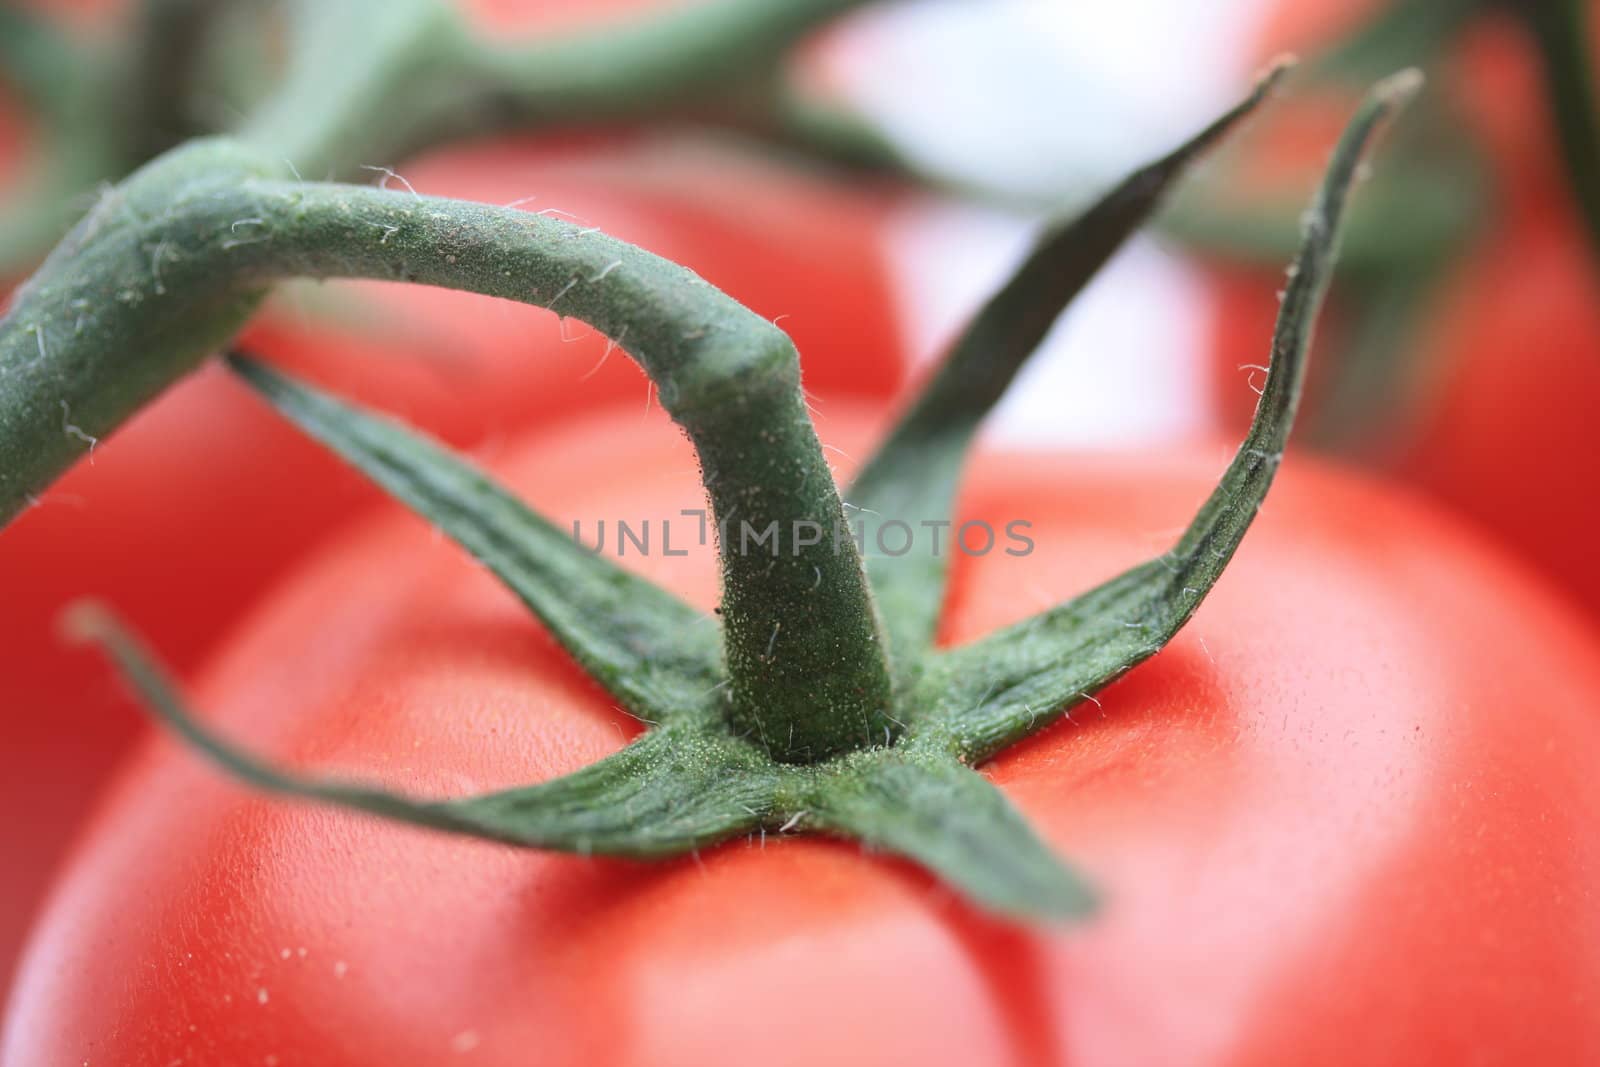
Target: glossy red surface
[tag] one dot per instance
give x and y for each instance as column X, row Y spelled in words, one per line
column 1343, row 818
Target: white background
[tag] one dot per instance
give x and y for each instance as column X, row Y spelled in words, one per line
column 1041, row 97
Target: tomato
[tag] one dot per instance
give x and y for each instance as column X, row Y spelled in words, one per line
column 1344, row 817
column 204, row 499
column 1506, row 349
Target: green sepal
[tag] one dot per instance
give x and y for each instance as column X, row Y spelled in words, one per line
column 912, row 477
column 802, row 649
column 1000, row 689
column 657, row 655
column 921, row 803
column 675, row 789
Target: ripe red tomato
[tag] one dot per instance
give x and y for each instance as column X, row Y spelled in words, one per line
column 1507, row 351
column 198, row 504
column 1344, row 818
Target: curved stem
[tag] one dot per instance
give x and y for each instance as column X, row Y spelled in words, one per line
column 187, row 247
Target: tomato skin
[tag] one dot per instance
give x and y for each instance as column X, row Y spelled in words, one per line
column 1508, row 350
column 1343, row 818
column 193, row 509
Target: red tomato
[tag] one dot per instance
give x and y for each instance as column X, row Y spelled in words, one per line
column 1345, row 818
column 198, row 504
column 1509, row 350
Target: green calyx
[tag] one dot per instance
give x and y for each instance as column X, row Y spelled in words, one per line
column 818, row 702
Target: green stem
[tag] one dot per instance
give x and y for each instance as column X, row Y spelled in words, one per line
column 362, row 78
column 1562, row 34
column 371, row 81
column 185, row 249
column 685, row 52
column 129, row 301
column 40, row 63
column 168, row 40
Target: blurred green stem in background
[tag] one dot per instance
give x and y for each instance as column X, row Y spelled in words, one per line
column 367, row 83
column 1563, row 35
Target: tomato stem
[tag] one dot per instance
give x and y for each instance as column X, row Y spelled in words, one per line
column 185, row 270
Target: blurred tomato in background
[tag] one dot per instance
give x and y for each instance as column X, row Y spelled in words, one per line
column 1479, row 386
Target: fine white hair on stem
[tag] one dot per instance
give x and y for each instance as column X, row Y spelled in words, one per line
column 388, row 175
